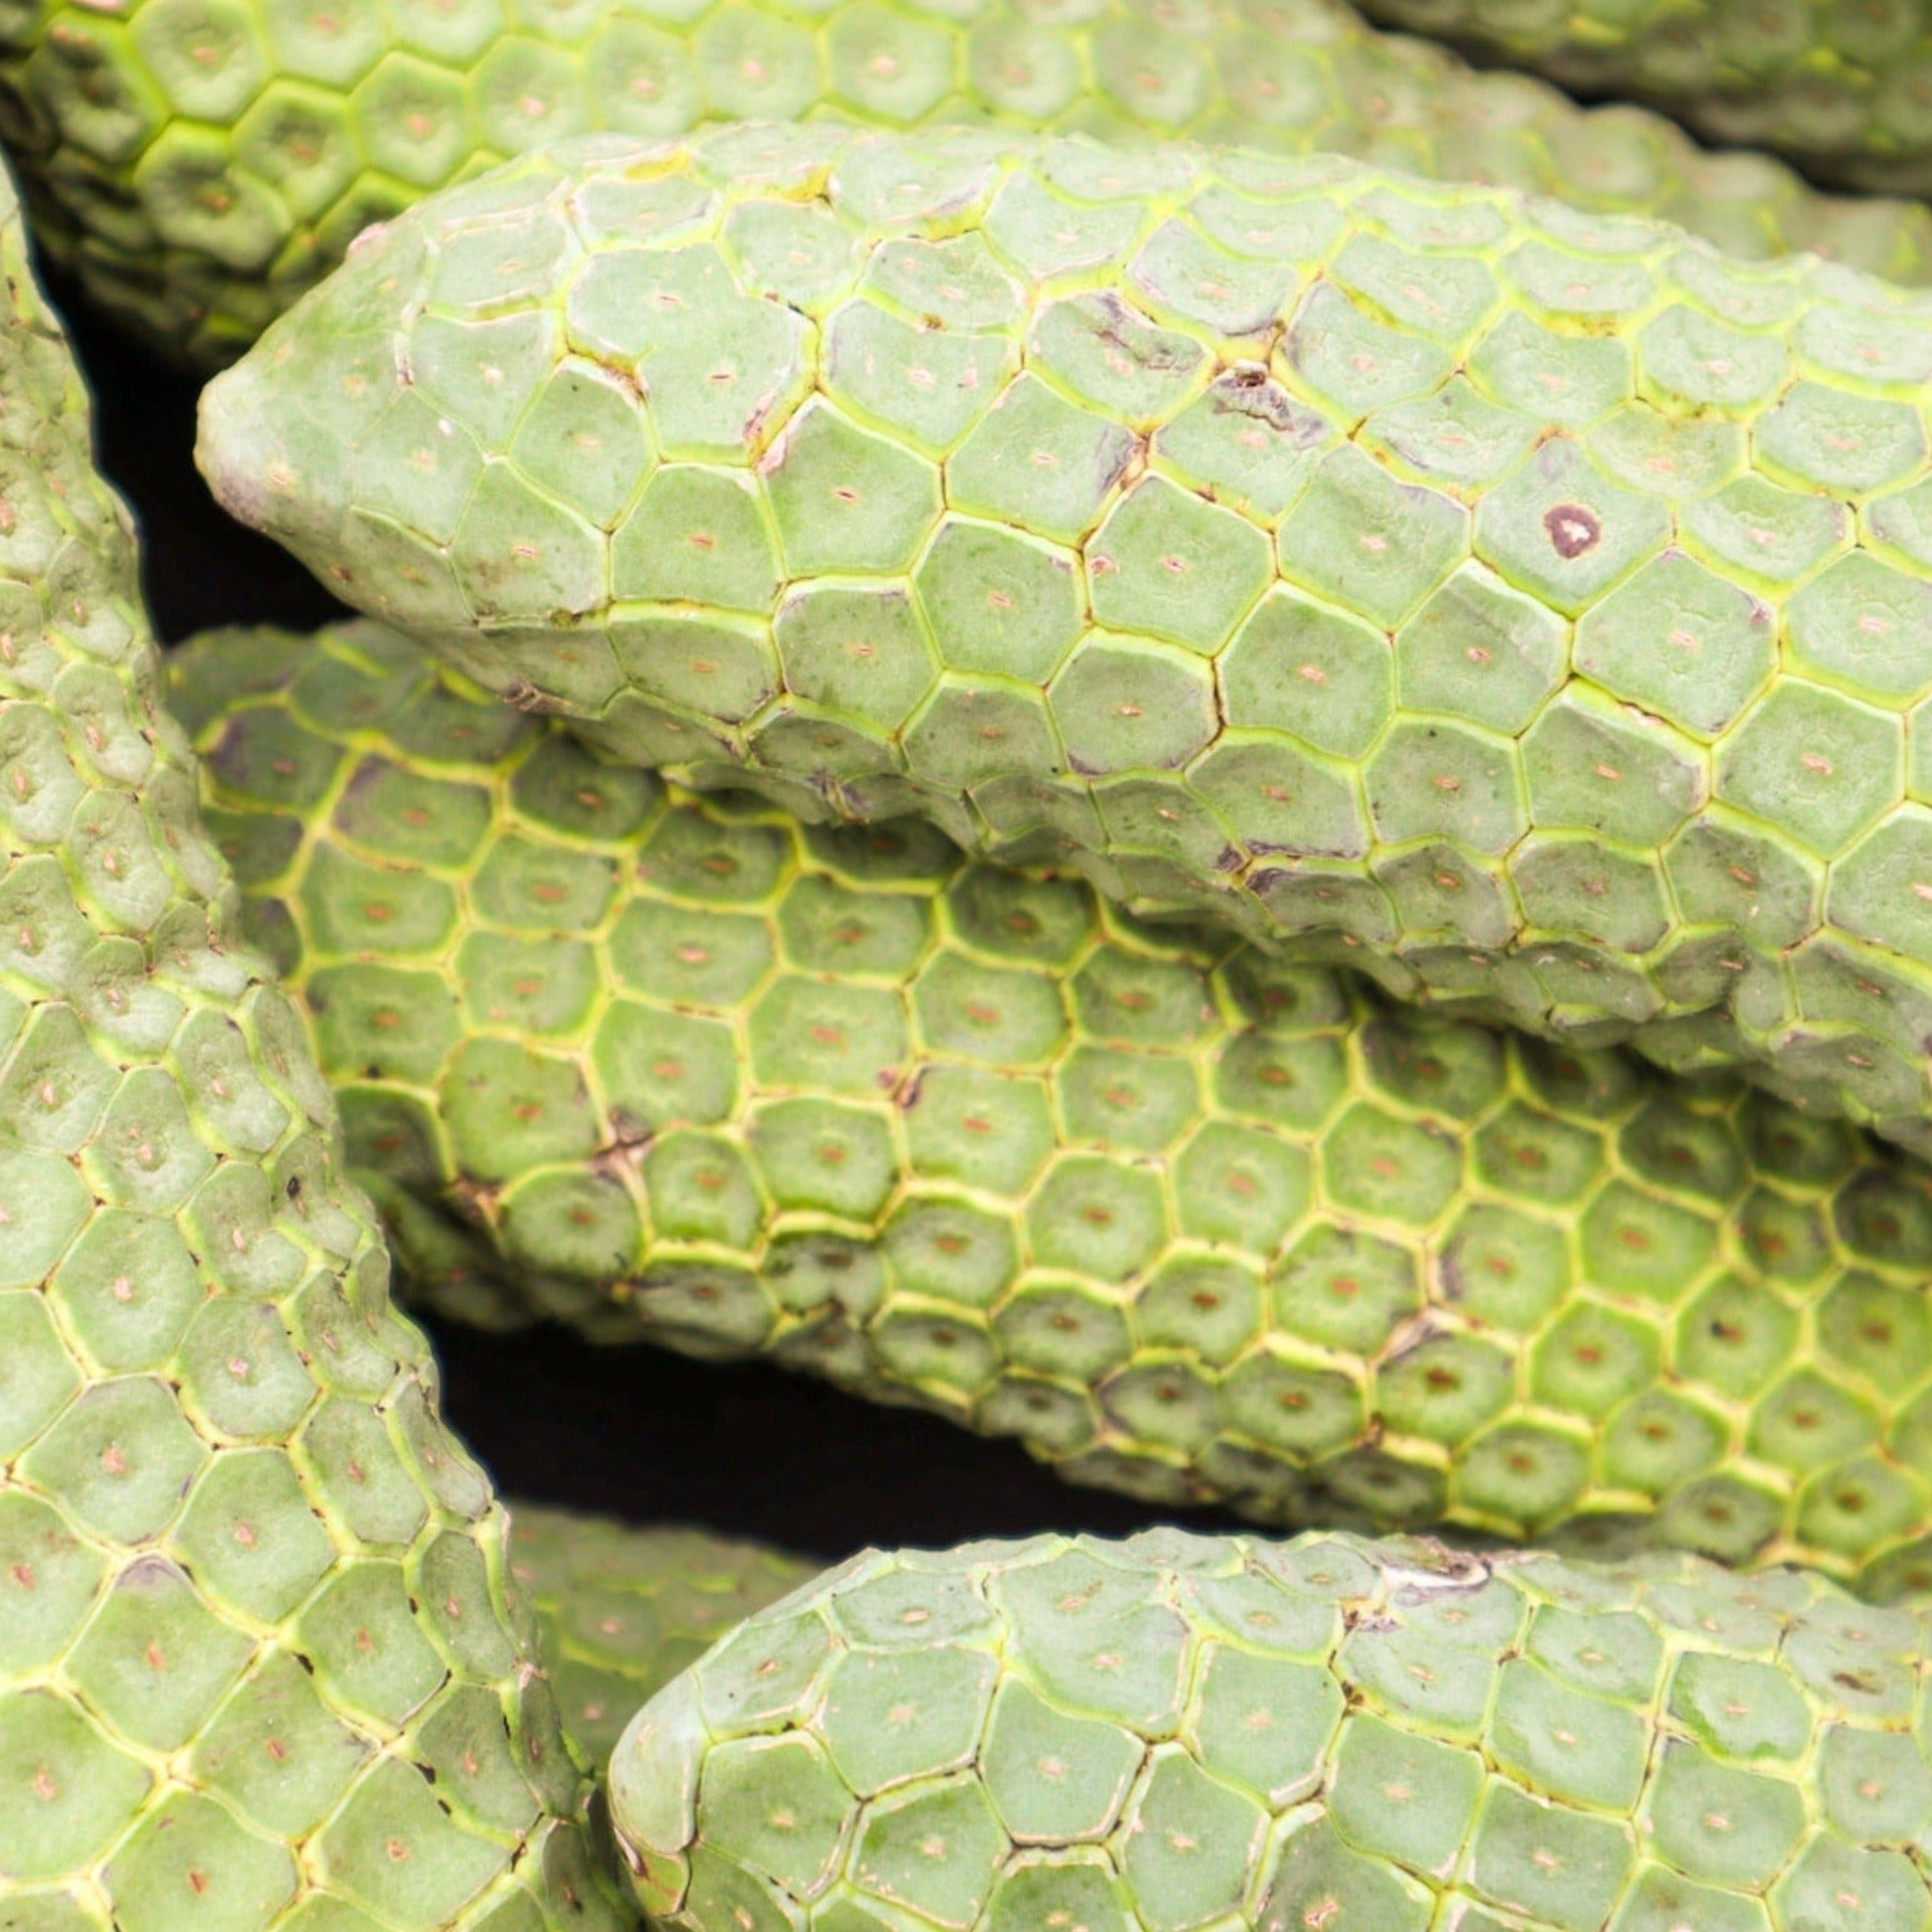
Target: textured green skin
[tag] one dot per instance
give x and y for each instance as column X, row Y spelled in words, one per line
column 1186, row 1223
column 253, row 1594
column 1326, row 1733
column 1845, row 91
column 620, row 1610
column 202, row 162
column 1527, row 606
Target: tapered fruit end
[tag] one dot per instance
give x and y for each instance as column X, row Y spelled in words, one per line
column 653, row 1774
column 237, row 448
column 295, row 440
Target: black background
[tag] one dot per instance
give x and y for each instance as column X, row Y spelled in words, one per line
column 635, row 1432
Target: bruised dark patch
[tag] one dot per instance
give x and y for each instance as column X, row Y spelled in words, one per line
column 1573, row 530
column 628, row 1132
column 1111, row 322
column 527, row 697
column 368, row 777
column 1424, row 1331
column 1248, row 391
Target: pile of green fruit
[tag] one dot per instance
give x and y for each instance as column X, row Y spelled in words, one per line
column 1177, row 730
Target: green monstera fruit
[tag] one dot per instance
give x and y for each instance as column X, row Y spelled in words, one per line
column 1845, row 91
column 623, row 1610
column 1528, row 608
column 1187, row 1222
column 201, row 162
column 1323, row 1735
column 261, row 1666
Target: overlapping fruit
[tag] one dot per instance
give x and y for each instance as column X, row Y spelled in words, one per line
column 1310, row 574
column 622, row 1611
column 259, row 1664
column 1845, row 91
column 1178, row 1731
column 1184, row 1219
column 1524, row 607
column 200, row 163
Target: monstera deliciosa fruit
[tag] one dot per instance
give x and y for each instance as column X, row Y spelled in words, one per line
column 1846, row 92
column 1325, row 1735
column 199, row 165
column 1185, row 1220
column 1523, row 606
column 621, row 1610
column 261, row 1665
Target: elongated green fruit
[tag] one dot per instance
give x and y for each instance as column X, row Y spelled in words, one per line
column 1325, row 1735
column 620, row 1610
column 261, row 1665
column 1186, row 1221
column 201, row 162
column 1528, row 608
column 1846, row 92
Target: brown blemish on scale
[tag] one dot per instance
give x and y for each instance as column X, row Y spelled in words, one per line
column 1573, row 530
column 521, row 695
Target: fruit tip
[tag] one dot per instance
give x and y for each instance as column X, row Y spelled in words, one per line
column 228, row 419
